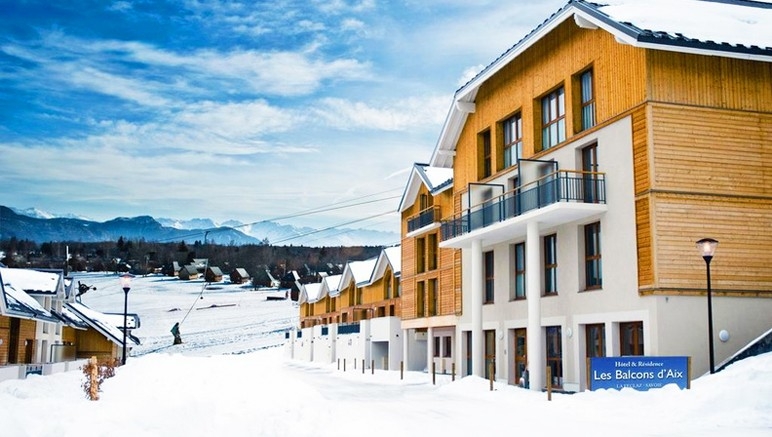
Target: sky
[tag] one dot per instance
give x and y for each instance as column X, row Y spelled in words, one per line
column 220, row 383
column 236, row 110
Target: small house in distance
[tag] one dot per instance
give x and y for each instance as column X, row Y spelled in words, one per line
column 213, row 274
column 239, row 276
column 188, row 272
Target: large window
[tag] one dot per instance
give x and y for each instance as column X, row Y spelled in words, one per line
column 550, row 264
column 488, row 272
column 448, row 349
column 513, row 140
column 596, row 340
column 486, row 157
column 593, row 272
column 519, row 264
column 553, row 117
column 631, row 338
column 587, row 100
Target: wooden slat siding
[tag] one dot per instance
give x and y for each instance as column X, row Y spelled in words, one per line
column 713, row 81
column 643, row 236
column 618, row 82
column 447, row 283
column 457, row 265
column 408, row 278
column 743, row 227
column 641, row 149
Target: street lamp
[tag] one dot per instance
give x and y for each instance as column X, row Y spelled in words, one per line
column 707, row 247
column 126, row 284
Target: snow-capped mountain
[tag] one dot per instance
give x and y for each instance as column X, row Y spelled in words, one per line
column 40, row 226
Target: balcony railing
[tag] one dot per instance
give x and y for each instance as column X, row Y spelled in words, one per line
column 560, row 186
column 424, row 218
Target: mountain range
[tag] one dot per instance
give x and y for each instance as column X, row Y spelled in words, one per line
column 40, row 226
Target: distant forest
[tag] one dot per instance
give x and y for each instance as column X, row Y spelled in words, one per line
column 142, row 257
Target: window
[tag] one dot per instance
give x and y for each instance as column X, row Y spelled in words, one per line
column 486, row 163
column 420, row 255
column 513, row 140
column 587, row 100
column 351, row 293
column 590, row 179
column 596, row 340
column 593, row 272
column 448, row 349
column 436, row 351
column 631, row 338
column 420, row 298
column 387, row 284
column 398, row 286
column 550, row 251
column 553, row 116
column 431, row 249
column 555, row 354
column 488, row 272
column 432, row 285
column 519, row 264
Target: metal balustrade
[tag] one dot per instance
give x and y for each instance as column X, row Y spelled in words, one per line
column 560, row 186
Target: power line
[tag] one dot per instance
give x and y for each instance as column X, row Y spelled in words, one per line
column 300, row 214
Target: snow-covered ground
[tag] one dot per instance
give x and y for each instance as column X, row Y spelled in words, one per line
column 229, row 379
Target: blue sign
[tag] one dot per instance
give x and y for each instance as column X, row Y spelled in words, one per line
column 640, row 373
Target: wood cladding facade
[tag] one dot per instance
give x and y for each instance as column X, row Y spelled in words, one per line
column 702, row 148
column 443, row 271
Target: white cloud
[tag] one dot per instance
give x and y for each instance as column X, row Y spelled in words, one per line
column 400, row 115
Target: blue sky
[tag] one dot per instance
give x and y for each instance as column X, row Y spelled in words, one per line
column 235, row 110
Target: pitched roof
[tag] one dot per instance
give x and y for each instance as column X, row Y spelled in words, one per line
column 14, row 300
column 389, row 257
column 359, row 272
column 436, row 180
column 728, row 28
column 100, row 322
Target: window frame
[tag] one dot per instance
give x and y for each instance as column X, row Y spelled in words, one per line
column 586, row 106
column 519, row 267
column 485, row 154
column 512, row 138
column 488, row 277
column 636, row 346
column 550, row 251
column 593, row 261
column 553, row 100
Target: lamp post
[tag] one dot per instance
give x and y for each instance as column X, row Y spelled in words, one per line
column 126, row 284
column 707, row 247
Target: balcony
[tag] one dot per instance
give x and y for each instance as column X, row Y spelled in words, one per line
column 423, row 219
column 557, row 198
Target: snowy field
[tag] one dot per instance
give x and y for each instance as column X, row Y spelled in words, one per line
column 230, row 378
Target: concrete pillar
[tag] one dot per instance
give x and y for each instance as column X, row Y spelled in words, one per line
column 533, row 275
column 477, row 282
column 405, row 347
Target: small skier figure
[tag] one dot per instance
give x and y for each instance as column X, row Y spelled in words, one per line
column 176, row 333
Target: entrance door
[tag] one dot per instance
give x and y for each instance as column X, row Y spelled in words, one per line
column 13, row 345
column 521, row 359
column 555, row 355
column 490, row 353
column 468, row 337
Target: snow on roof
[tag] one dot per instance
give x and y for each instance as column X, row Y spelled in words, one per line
column 331, row 283
column 16, row 301
column 312, row 292
column 436, row 180
column 389, row 257
column 362, row 270
column 733, row 22
column 100, row 322
column 729, row 28
column 31, row 281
